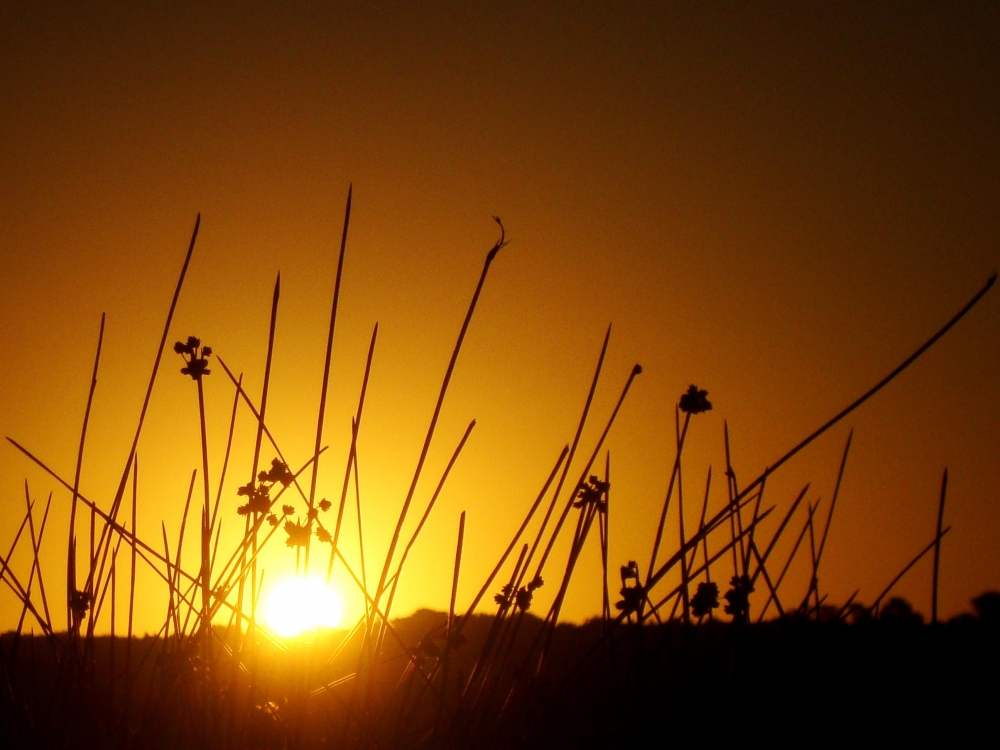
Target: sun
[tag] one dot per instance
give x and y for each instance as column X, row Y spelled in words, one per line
column 296, row 605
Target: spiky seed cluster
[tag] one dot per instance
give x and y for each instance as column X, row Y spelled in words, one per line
column 520, row 598
column 527, row 592
column 278, row 472
column 593, row 491
column 258, row 493
column 298, row 535
column 258, row 498
column 503, row 598
column 705, row 599
column 632, row 595
column 695, row 401
column 80, row 602
column 195, row 356
column 738, row 598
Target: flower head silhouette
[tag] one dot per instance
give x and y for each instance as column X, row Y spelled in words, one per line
column 634, row 595
column 80, row 602
column 195, row 356
column 298, row 536
column 593, row 491
column 258, row 493
column 695, row 401
column 503, row 598
column 527, row 592
column 258, row 498
column 278, row 472
column 738, row 598
column 705, row 599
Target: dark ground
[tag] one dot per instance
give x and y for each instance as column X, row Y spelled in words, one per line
column 789, row 681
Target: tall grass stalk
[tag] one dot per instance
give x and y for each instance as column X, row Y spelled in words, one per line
column 72, row 625
column 885, row 592
column 569, row 461
column 500, row 243
column 352, row 460
column 398, row 694
column 814, row 583
column 326, row 372
column 937, row 548
column 791, row 556
column 105, row 540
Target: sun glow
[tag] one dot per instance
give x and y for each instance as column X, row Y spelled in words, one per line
column 297, row 605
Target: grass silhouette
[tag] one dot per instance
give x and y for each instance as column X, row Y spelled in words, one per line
column 215, row 676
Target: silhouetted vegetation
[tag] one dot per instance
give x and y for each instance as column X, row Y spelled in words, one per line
column 215, row 676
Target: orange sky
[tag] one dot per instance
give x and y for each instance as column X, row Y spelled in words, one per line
column 776, row 204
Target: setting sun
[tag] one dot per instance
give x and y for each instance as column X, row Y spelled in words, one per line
column 297, row 605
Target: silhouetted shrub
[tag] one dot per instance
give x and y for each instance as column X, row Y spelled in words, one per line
column 898, row 610
column 988, row 607
column 858, row 613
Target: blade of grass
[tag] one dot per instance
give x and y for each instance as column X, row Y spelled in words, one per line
column 937, row 549
column 875, row 388
column 361, row 538
column 569, row 461
column 833, row 502
column 451, row 622
column 437, row 411
column 666, row 502
column 225, row 460
column 424, row 517
column 685, row 599
column 353, row 454
column 120, row 493
column 36, row 569
column 71, row 567
column 778, row 533
column 36, row 544
column 698, row 571
column 636, row 371
column 513, row 542
column 326, row 369
column 904, row 571
column 126, row 695
column 275, row 297
column 791, row 556
column 603, row 522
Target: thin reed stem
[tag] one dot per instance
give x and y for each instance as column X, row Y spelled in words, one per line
column 326, row 370
column 636, row 371
column 603, row 519
column 120, row 493
column 424, row 517
column 437, row 412
column 680, row 517
column 131, row 601
column 353, row 454
column 206, row 538
column 225, row 460
column 904, row 571
column 446, row 659
column 71, row 544
column 791, row 556
column 666, row 501
column 513, row 542
column 875, row 388
column 937, row 548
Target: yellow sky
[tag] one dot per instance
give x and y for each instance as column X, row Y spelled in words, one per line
column 778, row 205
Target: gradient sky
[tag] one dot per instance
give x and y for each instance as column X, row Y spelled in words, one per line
column 776, row 203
